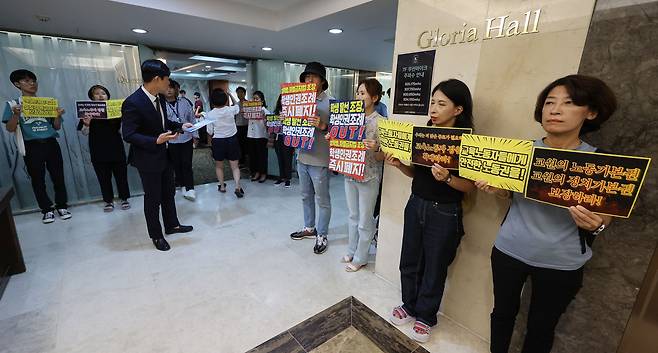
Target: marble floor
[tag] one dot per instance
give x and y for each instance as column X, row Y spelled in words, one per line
column 96, row 284
column 348, row 341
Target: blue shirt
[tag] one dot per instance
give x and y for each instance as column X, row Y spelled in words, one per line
column 181, row 112
column 542, row 235
column 32, row 128
column 382, row 109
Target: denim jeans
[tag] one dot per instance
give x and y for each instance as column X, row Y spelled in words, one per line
column 431, row 236
column 361, row 198
column 314, row 182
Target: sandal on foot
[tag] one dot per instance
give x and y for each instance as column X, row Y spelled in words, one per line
column 353, row 268
column 400, row 317
column 221, row 188
column 346, row 259
column 421, row 332
column 109, row 207
column 125, row 205
column 239, row 193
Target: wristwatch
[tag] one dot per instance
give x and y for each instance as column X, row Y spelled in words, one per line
column 599, row 230
column 448, row 179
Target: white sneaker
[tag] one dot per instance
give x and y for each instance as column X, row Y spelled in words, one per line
column 64, row 213
column 190, row 195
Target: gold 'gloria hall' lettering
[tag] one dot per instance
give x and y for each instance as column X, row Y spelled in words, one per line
column 495, row 27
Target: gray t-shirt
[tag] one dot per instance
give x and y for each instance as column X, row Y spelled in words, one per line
column 542, row 235
column 318, row 155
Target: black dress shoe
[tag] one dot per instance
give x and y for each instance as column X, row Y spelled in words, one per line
column 179, row 229
column 161, row 244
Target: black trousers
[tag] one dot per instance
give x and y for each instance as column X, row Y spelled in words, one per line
column 181, row 159
column 432, row 233
column 257, row 155
column 284, row 155
column 552, row 291
column 159, row 191
column 242, row 140
column 203, row 136
column 42, row 155
column 104, row 172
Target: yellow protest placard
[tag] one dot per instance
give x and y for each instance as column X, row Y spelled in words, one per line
column 114, row 108
column 396, row 137
column 39, row 107
column 502, row 162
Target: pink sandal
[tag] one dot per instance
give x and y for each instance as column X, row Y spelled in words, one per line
column 421, row 332
column 400, row 317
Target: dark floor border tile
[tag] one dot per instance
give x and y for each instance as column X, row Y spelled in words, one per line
column 323, row 326
column 381, row 332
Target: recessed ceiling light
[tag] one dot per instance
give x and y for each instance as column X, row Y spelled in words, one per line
column 244, row 80
column 335, row 31
column 52, row 68
column 188, row 71
column 208, row 66
column 139, row 30
column 266, row 48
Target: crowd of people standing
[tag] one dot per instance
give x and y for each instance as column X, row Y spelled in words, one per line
column 550, row 245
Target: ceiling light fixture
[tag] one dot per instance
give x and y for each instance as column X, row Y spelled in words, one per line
column 335, row 31
column 266, row 48
column 214, row 59
column 139, row 30
column 188, row 71
column 231, row 68
column 208, row 66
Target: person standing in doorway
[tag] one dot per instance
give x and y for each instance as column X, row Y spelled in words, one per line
column 36, row 139
column 147, row 129
column 257, row 141
column 243, row 126
column 284, row 154
column 108, row 155
column 183, row 95
column 313, row 165
column 181, row 148
column 198, row 114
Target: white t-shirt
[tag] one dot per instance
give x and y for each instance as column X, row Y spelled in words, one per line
column 257, row 128
column 223, row 124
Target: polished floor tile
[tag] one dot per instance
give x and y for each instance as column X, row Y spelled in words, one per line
column 96, row 284
column 348, row 341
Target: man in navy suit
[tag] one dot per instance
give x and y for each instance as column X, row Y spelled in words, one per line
column 147, row 129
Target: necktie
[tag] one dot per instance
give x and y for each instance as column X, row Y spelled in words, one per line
column 159, row 109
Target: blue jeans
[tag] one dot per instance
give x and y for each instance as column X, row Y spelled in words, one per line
column 361, row 198
column 315, row 185
column 432, row 233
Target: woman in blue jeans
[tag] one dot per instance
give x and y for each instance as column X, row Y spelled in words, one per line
column 361, row 195
column 432, row 218
column 548, row 244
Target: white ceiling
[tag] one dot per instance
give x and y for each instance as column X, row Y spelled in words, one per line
column 296, row 29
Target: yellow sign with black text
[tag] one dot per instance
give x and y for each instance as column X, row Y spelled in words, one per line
column 39, row 107
column 502, row 162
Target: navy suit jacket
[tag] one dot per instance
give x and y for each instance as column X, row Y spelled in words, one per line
column 141, row 125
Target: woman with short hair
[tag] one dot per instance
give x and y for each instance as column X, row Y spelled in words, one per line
column 546, row 243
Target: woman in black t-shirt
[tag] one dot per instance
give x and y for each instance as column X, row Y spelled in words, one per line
column 108, row 155
column 432, row 218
